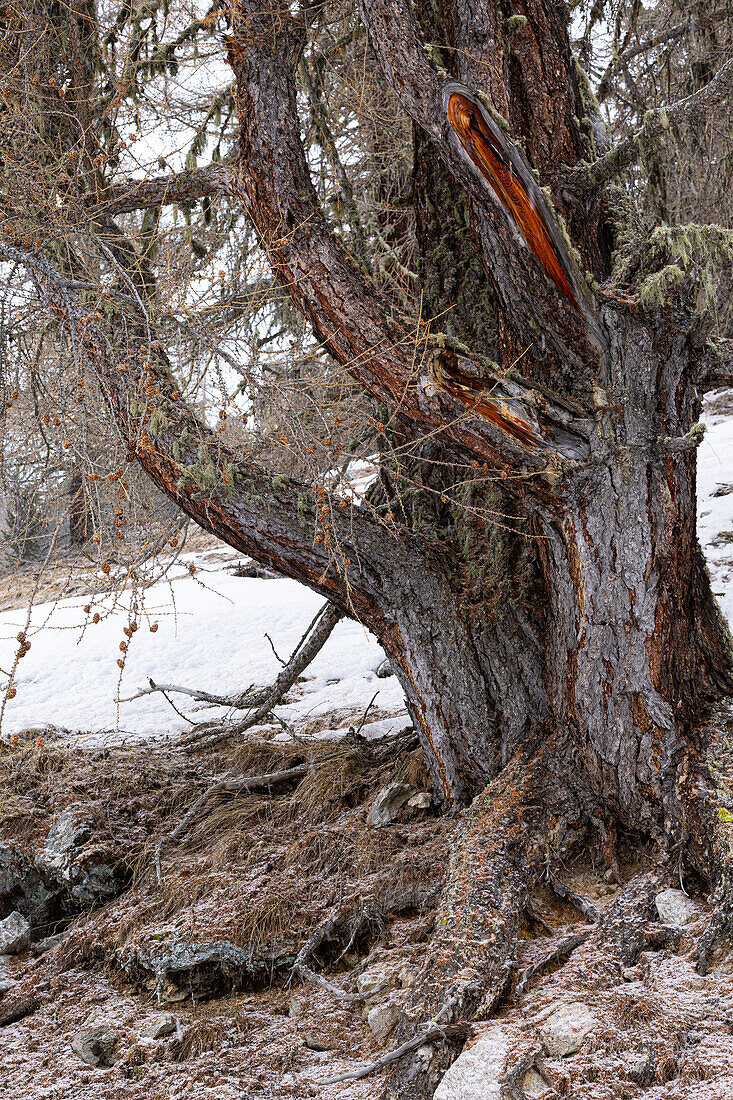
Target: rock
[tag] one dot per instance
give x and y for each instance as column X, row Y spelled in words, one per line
column 674, row 907
column 476, row 1072
column 25, row 889
column 385, row 670
column 406, row 977
column 95, row 1045
column 533, row 1083
column 631, row 973
column 48, row 943
column 296, row 1005
column 164, row 1023
column 565, row 1029
column 90, row 871
column 375, row 980
column 314, row 1043
column 382, row 1020
column 180, row 969
column 644, row 1070
column 15, row 934
column 388, row 804
column 423, row 800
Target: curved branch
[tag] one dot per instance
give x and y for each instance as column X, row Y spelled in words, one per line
column 273, row 519
column 383, row 354
column 123, row 198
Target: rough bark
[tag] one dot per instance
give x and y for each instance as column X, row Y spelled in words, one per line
column 559, row 674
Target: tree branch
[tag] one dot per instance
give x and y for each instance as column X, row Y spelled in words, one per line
column 385, row 355
column 123, row 198
column 714, row 96
column 273, row 519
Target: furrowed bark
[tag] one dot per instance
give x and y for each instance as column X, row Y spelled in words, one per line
column 390, row 358
column 537, row 281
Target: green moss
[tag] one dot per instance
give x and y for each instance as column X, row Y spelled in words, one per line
column 514, row 24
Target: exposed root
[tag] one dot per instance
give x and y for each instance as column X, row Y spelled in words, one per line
column 583, row 905
column 511, row 1082
column 434, row 1030
column 326, row 930
column 496, row 858
column 558, row 954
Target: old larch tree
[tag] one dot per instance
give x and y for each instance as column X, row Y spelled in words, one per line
column 538, row 583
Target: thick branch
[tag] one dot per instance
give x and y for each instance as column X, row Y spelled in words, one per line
column 381, row 353
column 123, row 198
column 273, row 519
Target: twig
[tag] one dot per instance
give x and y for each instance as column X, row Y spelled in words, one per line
column 360, row 727
column 433, row 1031
column 272, row 647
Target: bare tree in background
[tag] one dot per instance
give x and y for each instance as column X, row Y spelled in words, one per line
column 481, row 277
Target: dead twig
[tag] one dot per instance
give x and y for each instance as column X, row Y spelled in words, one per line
column 432, row 1031
column 243, row 783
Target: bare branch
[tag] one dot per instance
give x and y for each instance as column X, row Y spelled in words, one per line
column 188, row 186
column 713, row 97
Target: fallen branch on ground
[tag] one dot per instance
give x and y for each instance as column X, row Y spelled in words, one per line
column 244, row 783
column 431, row 1032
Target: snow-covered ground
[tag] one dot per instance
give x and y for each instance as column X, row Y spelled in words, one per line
column 211, row 635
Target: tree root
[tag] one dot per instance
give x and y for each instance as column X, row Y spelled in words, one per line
column 563, row 951
column 497, row 857
column 434, row 1030
column 583, row 905
column 326, row 930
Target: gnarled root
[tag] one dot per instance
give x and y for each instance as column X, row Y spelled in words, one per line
column 497, row 856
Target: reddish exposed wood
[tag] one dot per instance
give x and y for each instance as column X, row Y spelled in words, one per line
column 487, row 155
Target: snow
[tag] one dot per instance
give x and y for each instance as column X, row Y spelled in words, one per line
column 211, row 635
column 715, row 513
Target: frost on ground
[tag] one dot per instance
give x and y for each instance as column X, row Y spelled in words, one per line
column 259, row 877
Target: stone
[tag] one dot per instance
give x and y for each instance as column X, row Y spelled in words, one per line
column 313, row 1042
column 565, row 1029
column 533, row 1083
column 423, row 800
column 382, row 1020
column 89, row 871
column 164, row 1023
column 95, row 1045
column 26, row 890
column 296, row 1005
column 476, row 1072
column 387, row 804
column 15, row 934
column 674, row 907
column 181, row 969
column 375, row 980
column 385, row 670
